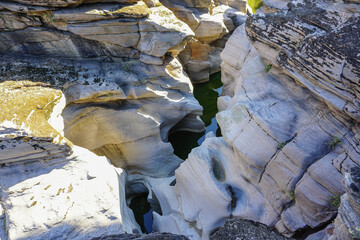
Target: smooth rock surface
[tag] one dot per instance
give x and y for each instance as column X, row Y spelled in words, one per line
column 286, row 146
column 123, row 110
column 112, row 29
column 50, row 188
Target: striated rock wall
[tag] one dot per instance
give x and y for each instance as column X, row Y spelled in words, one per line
column 212, row 23
column 289, row 123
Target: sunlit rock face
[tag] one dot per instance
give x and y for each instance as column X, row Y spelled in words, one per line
column 123, row 95
column 48, row 187
column 212, row 23
column 288, row 133
column 106, row 29
column 123, row 110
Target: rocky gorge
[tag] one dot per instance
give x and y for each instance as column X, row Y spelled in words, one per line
column 92, row 90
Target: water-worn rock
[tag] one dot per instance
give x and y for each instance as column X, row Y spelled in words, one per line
column 241, row 229
column 123, row 110
column 78, row 195
column 109, row 60
column 286, row 146
column 48, row 187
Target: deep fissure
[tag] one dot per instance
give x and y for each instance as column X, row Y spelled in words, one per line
column 183, row 142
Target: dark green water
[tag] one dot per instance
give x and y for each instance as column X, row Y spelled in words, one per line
column 207, row 94
column 143, row 212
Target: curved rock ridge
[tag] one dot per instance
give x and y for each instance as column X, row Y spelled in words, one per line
column 285, row 146
column 50, row 188
column 115, row 63
column 122, row 109
column 212, row 23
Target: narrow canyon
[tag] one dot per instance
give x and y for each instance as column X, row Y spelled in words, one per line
column 180, row 119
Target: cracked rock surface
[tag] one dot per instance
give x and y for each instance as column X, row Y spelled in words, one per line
column 348, row 220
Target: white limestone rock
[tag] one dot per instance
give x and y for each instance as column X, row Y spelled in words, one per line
column 130, row 124
column 50, row 188
column 80, row 196
column 285, row 148
column 123, row 110
column 162, row 31
column 102, row 29
column 151, row 59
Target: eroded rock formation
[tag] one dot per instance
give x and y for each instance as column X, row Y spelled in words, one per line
column 49, row 188
column 289, row 115
column 289, row 123
column 212, row 23
column 123, row 95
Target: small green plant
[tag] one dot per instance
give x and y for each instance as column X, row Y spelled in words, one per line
column 126, row 67
column 268, row 67
column 292, row 194
column 335, row 201
column 255, row 4
column 49, row 17
column 281, row 145
column 355, row 234
column 333, row 142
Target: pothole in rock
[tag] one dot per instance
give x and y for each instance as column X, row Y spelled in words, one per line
column 207, row 94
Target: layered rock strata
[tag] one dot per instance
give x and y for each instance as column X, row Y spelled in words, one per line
column 289, row 124
column 114, row 63
column 212, row 23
